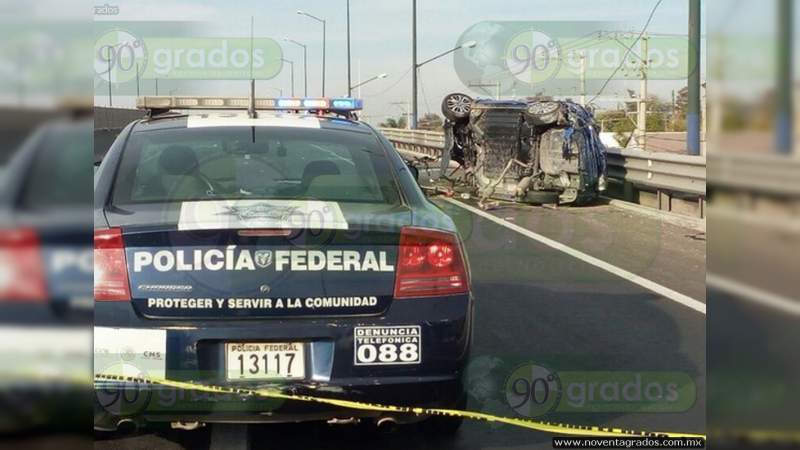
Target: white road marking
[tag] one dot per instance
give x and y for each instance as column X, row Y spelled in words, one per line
column 622, row 273
column 754, row 294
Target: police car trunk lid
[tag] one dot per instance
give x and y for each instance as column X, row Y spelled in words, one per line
column 206, row 271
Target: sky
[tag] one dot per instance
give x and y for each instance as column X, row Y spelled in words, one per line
column 381, row 41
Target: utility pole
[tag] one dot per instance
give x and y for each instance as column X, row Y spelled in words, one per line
column 583, row 78
column 137, row 79
column 641, row 122
column 672, row 112
column 693, row 107
column 349, row 80
column 414, row 67
column 785, row 58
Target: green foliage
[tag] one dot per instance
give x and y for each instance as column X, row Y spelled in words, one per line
column 661, row 116
column 617, row 122
column 391, row 122
column 430, row 121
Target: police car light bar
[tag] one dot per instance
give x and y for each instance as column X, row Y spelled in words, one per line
column 345, row 104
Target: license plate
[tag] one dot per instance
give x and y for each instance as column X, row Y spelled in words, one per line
column 265, row 361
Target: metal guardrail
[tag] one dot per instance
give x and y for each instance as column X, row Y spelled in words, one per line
column 677, row 173
column 667, row 171
column 429, row 143
column 769, row 174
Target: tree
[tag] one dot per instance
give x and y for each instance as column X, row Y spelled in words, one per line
column 391, row 122
column 616, row 121
column 430, row 121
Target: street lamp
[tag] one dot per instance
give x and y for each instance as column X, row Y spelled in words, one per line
column 376, row 77
column 349, row 80
column 305, row 64
column 291, row 72
column 468, row 44
column 416, row 66
column 303, row 13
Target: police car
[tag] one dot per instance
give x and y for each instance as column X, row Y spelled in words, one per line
column 272, row 243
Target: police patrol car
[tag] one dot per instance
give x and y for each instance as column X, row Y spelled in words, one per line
column 259, row 242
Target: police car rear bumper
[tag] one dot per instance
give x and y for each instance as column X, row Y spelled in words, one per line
column 195, row 353
column 156, row 404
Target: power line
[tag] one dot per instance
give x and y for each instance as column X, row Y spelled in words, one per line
column 392, row 86
column 601, row 38
column 625, row 56
column 424, row 97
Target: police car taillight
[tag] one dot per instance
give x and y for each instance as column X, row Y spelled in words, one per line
column 429, row 263
column 110, row 269
column 22, row 276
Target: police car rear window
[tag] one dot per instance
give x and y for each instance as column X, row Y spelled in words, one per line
column 239, row 162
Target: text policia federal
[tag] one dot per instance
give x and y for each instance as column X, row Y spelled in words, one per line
column 243, row 259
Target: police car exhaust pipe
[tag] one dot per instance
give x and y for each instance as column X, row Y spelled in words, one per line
column 127, row 426
column 189, row 426
column 347, row 421
column 386, row 425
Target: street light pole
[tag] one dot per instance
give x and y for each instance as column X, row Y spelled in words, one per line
column 784, row 119
column 305, row 64
column 414, row 66
column 305, row 71
column 349, row 81
column 291, row 72
column 376, row 77
column 324, row 38
column 693, row 107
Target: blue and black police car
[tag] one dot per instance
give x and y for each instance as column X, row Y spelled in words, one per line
column 272, row 243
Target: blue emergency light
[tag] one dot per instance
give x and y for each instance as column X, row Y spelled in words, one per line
column 319, row 104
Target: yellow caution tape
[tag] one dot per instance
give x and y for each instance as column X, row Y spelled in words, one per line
column 547, row 427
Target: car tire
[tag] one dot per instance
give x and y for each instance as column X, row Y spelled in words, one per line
column 542, row 113
column 541, row 197
column 456, row 106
